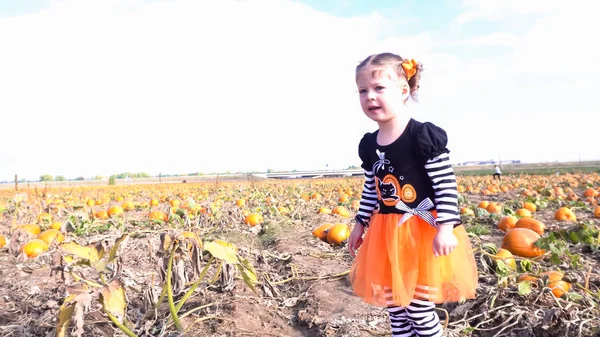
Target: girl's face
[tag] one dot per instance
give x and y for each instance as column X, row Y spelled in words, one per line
column 382, row 93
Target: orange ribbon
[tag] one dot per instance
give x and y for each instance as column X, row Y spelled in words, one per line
column 410, row 68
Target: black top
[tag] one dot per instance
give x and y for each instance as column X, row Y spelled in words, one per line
column 399, row 168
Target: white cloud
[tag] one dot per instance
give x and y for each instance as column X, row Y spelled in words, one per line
column 509, row 9
column 101, row 87
column 181, row 84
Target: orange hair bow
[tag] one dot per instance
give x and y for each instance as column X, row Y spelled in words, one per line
column 410, row 68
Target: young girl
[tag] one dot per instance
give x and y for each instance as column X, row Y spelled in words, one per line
column 415, row 252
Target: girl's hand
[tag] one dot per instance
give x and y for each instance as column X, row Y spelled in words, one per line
column 444, row 241
column 355, row 239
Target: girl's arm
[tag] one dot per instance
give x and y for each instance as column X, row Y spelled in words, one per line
column 443, row 179
column 368, row 200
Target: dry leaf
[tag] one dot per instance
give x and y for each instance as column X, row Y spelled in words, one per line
column 92, row 252
column 113, row 299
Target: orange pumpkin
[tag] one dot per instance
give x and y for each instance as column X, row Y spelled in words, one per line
column 493, row 207
column 565, row 214
column 559, row 288
column 51, row 235
column 321, row 231
column 341, row 211
column 525, row 277
column 530, row 206
column 158, row 215
column 553, row 275
column 337, row 234
column 115, row 211
column 34, row 248
column 523, row 213
column 531, row 223
column 253, row 219
column 507, row 222
column 520, row 242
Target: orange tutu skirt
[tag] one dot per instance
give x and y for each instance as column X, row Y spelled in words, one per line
column 396, row 264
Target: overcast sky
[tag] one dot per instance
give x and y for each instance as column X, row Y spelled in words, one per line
column 102, row 87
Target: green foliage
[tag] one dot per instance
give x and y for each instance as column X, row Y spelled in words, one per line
column 46, row 177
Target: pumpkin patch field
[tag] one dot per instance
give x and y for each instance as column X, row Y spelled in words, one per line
column 270, row 258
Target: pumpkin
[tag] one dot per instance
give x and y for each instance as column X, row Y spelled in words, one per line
column 128, row 205
column 467, row 211
column 523, row 213
column 507, row 257
column 115, row 211
column 34, row 248
column 520, row 242
column 158, row 215
column 341, row 211
column 253, row 219
column 530, row 206
column 56, row 225
column 493, row 207
column 526, row 277
column 590, row 192
column 324, row 210
column 559, row 288
column 507, row 222
column 101, row 215
column 51, row 235
column 531, row 223
column 553, row 275
column 337, row 234
column 564, row 214
column 31, row 229
column 321, row 231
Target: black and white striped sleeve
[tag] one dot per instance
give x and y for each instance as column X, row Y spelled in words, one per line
column 443, row 180
column 368, row 200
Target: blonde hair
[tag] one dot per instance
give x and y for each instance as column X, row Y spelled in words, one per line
column 394, row 62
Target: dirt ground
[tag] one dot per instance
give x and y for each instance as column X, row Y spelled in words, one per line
column 302, row 286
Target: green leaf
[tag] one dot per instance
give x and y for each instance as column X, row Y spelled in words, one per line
column 526, row 265
column 502, row 268
column 221, row 252
column 248, row 274
column 490, row 247
column 524, row 288
column 480, row 212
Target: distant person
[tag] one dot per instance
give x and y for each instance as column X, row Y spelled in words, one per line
column 497, row 173
column 415, row 253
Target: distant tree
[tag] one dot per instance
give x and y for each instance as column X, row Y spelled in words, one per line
column 59, row 178
column 46, row 177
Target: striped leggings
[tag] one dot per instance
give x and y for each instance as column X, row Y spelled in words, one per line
column 418, row 319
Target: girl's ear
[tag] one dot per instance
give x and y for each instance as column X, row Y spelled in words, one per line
column 405, row 89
